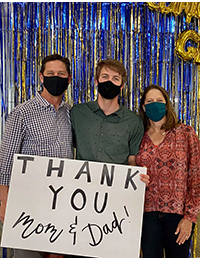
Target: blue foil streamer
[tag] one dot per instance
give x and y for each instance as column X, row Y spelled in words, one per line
column 1, row 69
column 88, row 32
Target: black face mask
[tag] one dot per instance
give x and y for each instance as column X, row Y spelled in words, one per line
column 55, row 85
column 108, row 90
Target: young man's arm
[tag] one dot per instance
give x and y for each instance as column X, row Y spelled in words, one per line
column 143, row 177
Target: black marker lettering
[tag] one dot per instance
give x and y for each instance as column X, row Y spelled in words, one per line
column 25, row 159
column 51, row 168
column 105, row 175
column 130, row 180
column 84, row 170
column 55, row 192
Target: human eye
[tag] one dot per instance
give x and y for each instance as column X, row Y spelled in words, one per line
column 49, row 73
column 104, row 76
column 62, row 74
column 117, row 79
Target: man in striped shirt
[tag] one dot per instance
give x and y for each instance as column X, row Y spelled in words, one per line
column 40, row 126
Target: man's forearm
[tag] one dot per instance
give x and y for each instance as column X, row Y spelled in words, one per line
column 3, row 201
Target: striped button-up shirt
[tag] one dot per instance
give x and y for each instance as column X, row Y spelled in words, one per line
column 35, row 128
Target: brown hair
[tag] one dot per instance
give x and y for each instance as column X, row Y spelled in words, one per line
column 113, row 64
column 55, row 57
column 171, row 118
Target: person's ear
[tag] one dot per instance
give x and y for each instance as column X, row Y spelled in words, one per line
column 143, row 106
column 41, row 77
column 122, row 86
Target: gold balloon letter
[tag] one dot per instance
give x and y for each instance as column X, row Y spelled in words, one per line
column 191, row 52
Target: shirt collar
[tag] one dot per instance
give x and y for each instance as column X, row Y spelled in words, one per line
column 44, row 102
column 94, row 106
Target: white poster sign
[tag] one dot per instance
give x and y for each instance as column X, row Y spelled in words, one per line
column 74, row 207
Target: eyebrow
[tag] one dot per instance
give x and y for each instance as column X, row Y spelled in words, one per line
column 107, row 74
column 57, row 71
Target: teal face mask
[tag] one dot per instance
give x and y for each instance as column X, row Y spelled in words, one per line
column 155, row 111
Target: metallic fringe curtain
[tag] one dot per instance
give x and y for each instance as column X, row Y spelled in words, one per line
column 143, row 39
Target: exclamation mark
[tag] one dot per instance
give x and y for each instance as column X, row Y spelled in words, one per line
column 126, row 211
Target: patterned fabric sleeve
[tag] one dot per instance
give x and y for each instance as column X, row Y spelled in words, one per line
column 10, row 144
column 192, row 204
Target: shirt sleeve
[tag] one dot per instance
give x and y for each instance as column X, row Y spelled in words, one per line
column 192, row 204
column 136, row 137
column 10, row 144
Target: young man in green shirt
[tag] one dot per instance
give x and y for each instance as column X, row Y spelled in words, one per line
column 104, row 130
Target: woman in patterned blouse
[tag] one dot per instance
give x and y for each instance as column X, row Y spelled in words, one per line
column 171, row 152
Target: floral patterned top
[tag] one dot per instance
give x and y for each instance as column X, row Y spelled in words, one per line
column 174, row 170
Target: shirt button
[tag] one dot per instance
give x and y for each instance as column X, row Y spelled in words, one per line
column 101, row 134
column 99, row 149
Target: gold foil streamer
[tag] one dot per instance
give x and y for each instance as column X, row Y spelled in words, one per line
column 110, row 31
column 39, row 59
column 43, row 32
column 39, row 37
column 117, row 47
column 182, row 93
column 53, row 28
column 82, row 79
column 193, row 118
column 33, row 61
column 75, row 49
column 24, row 55
column 49, row 32
column 67, row 38
column 13, row 50
column 80, row 32
column 158, row 47
column 69, row 95
column 169, row 63
column 191, row 9
column 18, row 55
column 60, row 27
column 121, row 45
column 197, row 248
column 141, row 70
column 151, row 62
column 194, row 239
column 131, row 61
column 99, row 30
column 198, row 103
column 88, row 92
column 96, row 43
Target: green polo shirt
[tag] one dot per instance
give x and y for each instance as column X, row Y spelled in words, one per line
column 101, row 138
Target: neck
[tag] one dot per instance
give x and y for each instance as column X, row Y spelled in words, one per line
column 156, row 126
column 108, row 106
column 54, row 100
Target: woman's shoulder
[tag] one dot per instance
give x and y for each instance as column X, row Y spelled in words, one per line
column 185, row 131
column 184, row 128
